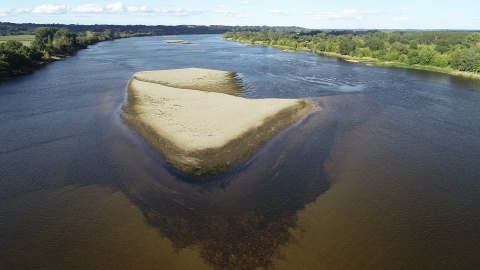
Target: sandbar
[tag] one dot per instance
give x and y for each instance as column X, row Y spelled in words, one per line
column 177, row 42
column 199, row 132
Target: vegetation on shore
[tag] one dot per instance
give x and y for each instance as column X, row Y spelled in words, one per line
column 22, row 54
column 452, row 52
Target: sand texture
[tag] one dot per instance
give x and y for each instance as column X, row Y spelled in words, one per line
column 204, row 133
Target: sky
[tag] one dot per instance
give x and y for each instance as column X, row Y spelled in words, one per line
column 314, row 14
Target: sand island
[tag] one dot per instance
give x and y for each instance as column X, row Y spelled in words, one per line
column 175, row 41
column 187, row 115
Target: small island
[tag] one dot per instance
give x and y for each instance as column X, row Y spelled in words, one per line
column 199, row 128
column 175, row 41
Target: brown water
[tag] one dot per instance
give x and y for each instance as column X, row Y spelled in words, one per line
column 385, row 176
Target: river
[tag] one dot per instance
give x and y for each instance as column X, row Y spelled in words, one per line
column 385, row 176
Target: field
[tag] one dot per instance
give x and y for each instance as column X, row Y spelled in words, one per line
column 25, row 39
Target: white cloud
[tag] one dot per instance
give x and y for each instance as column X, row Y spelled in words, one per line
column 139, row 9
column 113, row 8
column 246, row 3
column 232, row 13
column 346, row 14
column 178, row 12
column 401, row 18
column 50, row 9
column 5, row 12
column 116, row 7
column 277, row 12
column 161, row 11
column 245, row 16
column 89, row 8
column 226, row 12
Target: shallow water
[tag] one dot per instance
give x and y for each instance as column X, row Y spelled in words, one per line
column 385, row 176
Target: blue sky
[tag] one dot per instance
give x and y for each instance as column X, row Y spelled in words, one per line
column 318, row 14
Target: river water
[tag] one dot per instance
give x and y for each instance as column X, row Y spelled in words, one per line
column 385, row 176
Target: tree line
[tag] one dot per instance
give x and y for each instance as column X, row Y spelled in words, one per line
column 48, row 45
column 454, row 49
column 7, row 29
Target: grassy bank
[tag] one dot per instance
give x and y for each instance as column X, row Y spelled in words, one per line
column 379, row 63
column 26, row 40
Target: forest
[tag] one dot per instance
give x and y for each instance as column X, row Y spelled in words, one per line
column 432, row 50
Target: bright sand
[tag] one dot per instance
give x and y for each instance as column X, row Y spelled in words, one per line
column 204, row 133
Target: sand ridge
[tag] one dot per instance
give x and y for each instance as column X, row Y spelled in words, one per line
column 204, row 133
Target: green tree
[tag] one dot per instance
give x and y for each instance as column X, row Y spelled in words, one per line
column 346, row 46
column 65, row 41
column 44, row 38
column 375, row 44
column 108, row 34
column 413, row 45
column 465, row 60
column 473, row 38
column 5, row 70
column 320, row 46
column 441, row 60
column 476, row 68
column 400, row 48
column 443, row 46
column 17, row 56
column 425, row 56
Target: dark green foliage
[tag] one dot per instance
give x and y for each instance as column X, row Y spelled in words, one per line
column 375, row 44
column 346, row 46
column 15, row 59
column 65, row 42
column 413, row 45
column 465, row 60
column 400, row 48
column 44, row 38
column 443, row 46
column 5, row 70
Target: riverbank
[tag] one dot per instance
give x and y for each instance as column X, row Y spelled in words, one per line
column 368, row 60
column 204, row 133
column 376, row 62
column 21, row 58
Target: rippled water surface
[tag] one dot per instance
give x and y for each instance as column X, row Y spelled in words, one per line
column 385, row 176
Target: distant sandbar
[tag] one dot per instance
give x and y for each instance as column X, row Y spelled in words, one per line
column 179, row 41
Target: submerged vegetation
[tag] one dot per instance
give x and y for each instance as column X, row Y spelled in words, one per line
column 448, row 52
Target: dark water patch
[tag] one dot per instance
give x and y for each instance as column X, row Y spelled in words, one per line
column 240, row 221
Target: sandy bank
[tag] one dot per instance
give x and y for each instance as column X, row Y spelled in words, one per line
column 204, row 133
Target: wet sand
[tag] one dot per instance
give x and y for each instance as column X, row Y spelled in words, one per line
column 204, row 133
